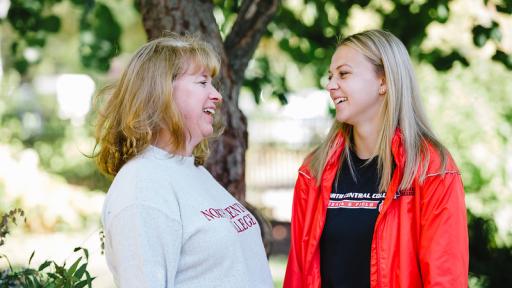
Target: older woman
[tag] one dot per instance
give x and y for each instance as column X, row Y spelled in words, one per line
column 167, row 222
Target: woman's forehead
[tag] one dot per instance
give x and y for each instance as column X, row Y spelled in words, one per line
column 195, row 66
column 347, row 56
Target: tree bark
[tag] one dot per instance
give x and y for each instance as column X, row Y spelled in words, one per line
column 227, row 158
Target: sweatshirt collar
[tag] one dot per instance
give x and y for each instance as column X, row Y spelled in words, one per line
column 160, row 154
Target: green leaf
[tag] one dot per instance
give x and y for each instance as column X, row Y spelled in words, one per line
column 51, row 24
column 53, row 276
column 73, row 267
column 44, row 265
column 31, row 256
column 30, row 282
column 89, row 279
column 504, row 58
column 81, row 284
column 80, row 271
column 60, row 270
column 495, row 32
column 21, row 65
column 86, row 252
column 504, row 7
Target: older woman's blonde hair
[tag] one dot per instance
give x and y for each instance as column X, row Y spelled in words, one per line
column 402, row 108
column 133, row 110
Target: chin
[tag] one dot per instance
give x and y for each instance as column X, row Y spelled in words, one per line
column 341, row 118
column 207, row 133
column 345, row 120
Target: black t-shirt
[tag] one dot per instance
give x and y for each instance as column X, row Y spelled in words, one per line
column 347, row 236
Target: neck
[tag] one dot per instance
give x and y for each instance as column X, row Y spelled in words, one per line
column 163, row 141
column 365, row 140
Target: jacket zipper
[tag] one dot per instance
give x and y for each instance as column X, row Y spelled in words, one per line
column 379, row 229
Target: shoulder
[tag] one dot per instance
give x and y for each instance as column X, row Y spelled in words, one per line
column 304, row 170
column 306, row 180
column 438, row 162
column 136, row 168
column 141, row 181
column 437, row 186
column 139, row 173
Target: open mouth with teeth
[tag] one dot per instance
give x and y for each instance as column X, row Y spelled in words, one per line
column 340, row 100
column 209, row 111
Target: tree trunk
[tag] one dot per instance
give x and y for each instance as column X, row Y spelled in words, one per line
column 227, row 158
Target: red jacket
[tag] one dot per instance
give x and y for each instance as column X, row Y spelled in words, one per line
column 420, row 237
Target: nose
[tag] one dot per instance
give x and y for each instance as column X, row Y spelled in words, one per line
column 215, row 96
column 331, row 85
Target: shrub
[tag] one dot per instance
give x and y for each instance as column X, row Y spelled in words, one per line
column 49, row 274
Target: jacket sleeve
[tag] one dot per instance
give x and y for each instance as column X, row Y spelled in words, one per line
column 443, row 247
column 294, row 272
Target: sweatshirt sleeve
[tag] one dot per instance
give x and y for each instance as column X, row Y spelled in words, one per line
column 293, row 276
column 144, row 245
column 443, row 251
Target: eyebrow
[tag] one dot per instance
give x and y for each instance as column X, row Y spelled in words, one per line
column 339, row 66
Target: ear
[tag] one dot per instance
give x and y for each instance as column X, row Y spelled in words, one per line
column 383, row 88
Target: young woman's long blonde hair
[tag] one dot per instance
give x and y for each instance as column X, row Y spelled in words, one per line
column 402, row 108
column 142, row 102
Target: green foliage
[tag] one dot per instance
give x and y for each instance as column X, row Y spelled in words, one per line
column 468, row 109
column 504, row 7
column 489, row 263
column 504, row 58
column 10, row 217
column 443, row 61
column 34, row 21
column 308, row 33
column 226, row 11
column 258, row 76
column 99, row 37
column 413, row 32
column 31, row 120
column 30, row 124
column 49, row 274
column 482, row 34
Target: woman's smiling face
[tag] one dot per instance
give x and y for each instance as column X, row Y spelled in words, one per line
column 355, row 87
column 196, row 99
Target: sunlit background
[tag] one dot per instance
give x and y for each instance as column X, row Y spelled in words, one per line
column 47, row 124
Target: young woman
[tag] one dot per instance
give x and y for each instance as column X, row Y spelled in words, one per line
column 167, row 222
column 380, row 202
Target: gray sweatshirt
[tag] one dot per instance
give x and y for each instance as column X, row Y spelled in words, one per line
column 168, row 223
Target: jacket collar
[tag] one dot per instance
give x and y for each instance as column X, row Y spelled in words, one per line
column 397, row 148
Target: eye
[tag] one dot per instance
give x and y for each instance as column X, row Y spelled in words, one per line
column 343, row 74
